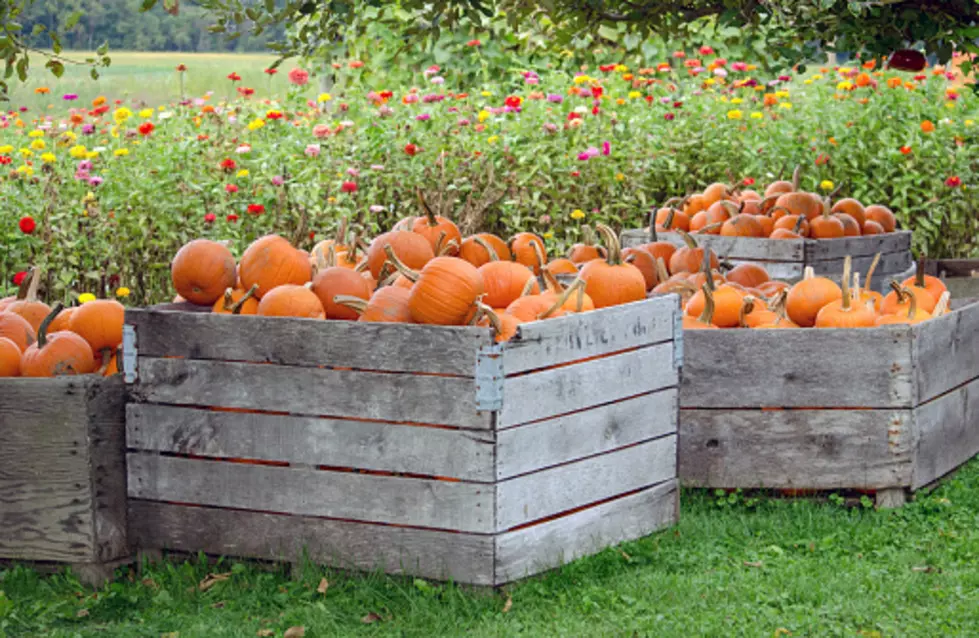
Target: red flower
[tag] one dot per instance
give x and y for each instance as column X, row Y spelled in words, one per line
column 386, row 95
column 513, row 101
column 574, row 116
column 299, row 77
column 20, row 277
column 146, row 128
column 605, row 68
column 677, row 105
column 202, row 137
column 27, row 224
column 594, row 110
column 706, row 50
column 748, row 181
column 474, row 43
column 245, row 91
column 271, row 71
column 411, row 149
column 822, row 159
column 274, row 115
column 355, row 64
column 209, row 218
column 575, row 173
column 951, row 182
column 230, row 188
column 4, row 160
column 348, row 187
column 234, row 77
column 669, row 117
column 596, row 91
column 228, row 164
column 232, row 218
column 906, row 150
column 181, row 67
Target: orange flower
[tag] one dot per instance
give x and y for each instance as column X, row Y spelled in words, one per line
column 771, row 99
column 927, row 126
column 77, row 118
column 894, row 83
column 42, row 90
column 207, row 108
column 909, row 86
column 869, row 64
column 863, row 100
column 863, row 80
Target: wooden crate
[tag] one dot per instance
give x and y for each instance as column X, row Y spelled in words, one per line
column 62, row 473
column 888, row 409
column 787, row 258
column 422, row 450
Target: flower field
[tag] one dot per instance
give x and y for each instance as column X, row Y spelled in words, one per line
column 100, row 192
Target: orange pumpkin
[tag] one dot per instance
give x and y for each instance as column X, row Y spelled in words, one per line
column 754, row 314
column 10, row 354
column 237, row 302
column 63, row 353
column 669, row 219
column 659, row 249
column 16, row 328
column 412, row 249
column 897, row 302
column 826, row 226
column 387, row 305
column 808, row 297
column 504, row 281
column 561, row 266
column 748, row 275
column 690, row 257
column 27, row 304
column 801, row 203
column 446, row 292
column 482, row 248
column 335, row 280
column 441, row 232
column 742, row 225
column 914, row 313
column 644, row 262
column 933, row 285
column 870, row 227
column 202, row 270
column 99, row 322
column 851, row 207
column 586, row 250
column 842, row 313
column 610, row 281
column 881, row 215
column 706, row 318
column 528, row 249
column 850, row 226
column 270, row 262
column 291, row 300
column 504, row 325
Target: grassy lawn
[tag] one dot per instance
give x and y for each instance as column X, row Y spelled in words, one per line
column 150, row 77
column 732, row 567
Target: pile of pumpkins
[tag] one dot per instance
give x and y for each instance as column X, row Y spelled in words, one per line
column 781, row 212
column 422, row 271
column 37, row 340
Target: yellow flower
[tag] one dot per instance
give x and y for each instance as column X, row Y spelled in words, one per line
column 619, row 177
column 78, row 152
column 724, row 98
column 122, row 292
column 734, row 115
column 486, row 93
column 752, row 67
column 826, row 185
column 114, row 131
column 67, row 138
column 634, row 94
column 243, row 172
column 581, row 79
column 6, row 149
column 324, row 97
column 38, row 145
column 331, row 200
column 548, row 235
column 844, row 70
column 121, row 152
column 807, row 81
column 26, row 152
column 755, row 115
column 785, row 105
column 146, row 113
column 782, row 94
column 950, row 105
column 91, row 155
column 844, row 86
column 36, row 133
column 621, row 68
column 760, row 88
column 256, row 124
column 161, row 108
column 817, row 77
column 967, row 123
column 493, row 139
column 736, row 100
column 709, row 82
column 25, row 170
column 577, row 214
column 86, row 297
column 47, row 158
column 121, row 115
column 483, row 115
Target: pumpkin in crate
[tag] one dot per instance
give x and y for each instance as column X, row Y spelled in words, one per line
column 412, row 250
column 706, row 318
column 844, row 313
column 748, row 275
column 504, row 325
column 388, row 305
column 483, row 248
column 16, row 328
column 333, row 280
column 913, row 315
column 659, row 249
column 611, row 281
column 587, row 249
column 528, row 249
column 446, row 292
column 27, row 305
column 62, row 321
column 10, row 355
column 933, row 285
column 690, row 257
column 669, row 219
column 504, row 281
column 726, row 301
column 807, row 297
column 269, row 262
column 644, row 262
column 561, row 266
column 99, row 322
column 851, row 207
column 236, row 301
column 898, row 300
column 291, row 300
column 881, row 215
column 62, row 353
column 202, row 270
column 440, row 232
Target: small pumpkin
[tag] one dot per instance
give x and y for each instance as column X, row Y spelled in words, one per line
column 644, row 262
column 801, row 203
column 748, row 275
column 690, row 257
column 754, row 314
column 851, row 207
column 742, row 225
column 431, row 226
column 706, row 318
column 202, row 270
column 610, row 281
column 881, row 215
column 446, row 292
column 388, row 305
column 528, row 249
column 62, row 353
column 270, row 262
column 291, row 300
column 10, row 355
column 333, row 280
column 27, row 304
column 543, row 306
column 659, row 249
column 914, row 313
column 61, row 322
column 504, row 325
column 236, row 301
column 826, row 226
column 933, row 285
column 16, row 328
column 843, row 313
column 807, row 298
column 587, row 249
column 897, row 302
column 412, row 249
column 669, row 219
column 482, row 248
column 504, row 281
column 561, row 266
column 778, row 307
column 870, row 227
column 727, row 301
column 99, row 322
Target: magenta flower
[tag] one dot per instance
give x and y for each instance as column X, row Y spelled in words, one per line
column 278, row 180
column 740, row 66
column 555, row 98
column 606, row 149
column 423, row 117
column 312, row 150
column 95, row 180
column 70, row 96
column 669, row 117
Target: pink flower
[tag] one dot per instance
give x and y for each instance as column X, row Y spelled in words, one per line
column 312, row 150
column 679, row 54
column 209, row 218
column 376, row 208
column 423, row 117
column 606, row 149
column 230, row 188
column 438, row 79
column 740, row 66
column 299, row 77
column 348, row 187
column 278, row 180
column 353, row 172
column 321, row 130
column 706, row 50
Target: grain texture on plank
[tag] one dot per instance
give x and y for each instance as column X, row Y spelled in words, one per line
column 547, row 393
column 466, row 558
column 382, row 396
column 864, row 246
column 45, row 485
column 801, row 449
column 107, row 438
column 947, row 434
column 890, row 266
column 309, row 342
column 542, row 344
column 530, row 447
column 369, row 445
column 531, row 497
column 295, row 490
column 869, row 368
column 534, row 549
column 946, row 352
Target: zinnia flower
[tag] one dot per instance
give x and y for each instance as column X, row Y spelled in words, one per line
column 299, row 77
column 146, row 128
column 271, row 71
column 19, row 278
column 411, row 149
column 181, row 68
column 348, row 187
column 473, row 43
column 321, row 130
column 256, row 209
column 70, row 97
column 232, row 218
column 210, row 218
column 234, row 77
column 312, row 150
column 952, row 182
column 27, row 224
column 927, row 126
column 228, row 165
column 905, row 150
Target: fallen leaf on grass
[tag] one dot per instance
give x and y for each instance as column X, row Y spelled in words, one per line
column 751, row 564
column 370, row 618
column 149, row 582
column 81, row 613
column 264, row 633
column 211, row 580
column 926, row 569
column 294, row 632
column 323, row 586
column 171, row 634
column 219, row 605
column 507, row 605
column 625, row 556
column 782, row 631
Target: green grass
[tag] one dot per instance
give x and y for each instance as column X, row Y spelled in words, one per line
column 150, row 77
column 732, row 567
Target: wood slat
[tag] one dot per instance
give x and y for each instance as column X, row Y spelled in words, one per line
column 311, row 391
column 531, row 497
column 308, row 342
column 466, row 507
column 891, row 266
column 542, row 395
column 946, row 352
column 947, row 434
column 462, row 454
column 801, row 449
column 530, row 447
column 344, row 544
column 865, row 246
column 869, row 368
column 542, row 344
column 746, row 248
column 107, row 444
column 534, row 549
column 45, row 488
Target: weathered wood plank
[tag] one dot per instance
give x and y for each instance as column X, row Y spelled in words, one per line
column 743, row 248
column 801, row 449
column 946, row 352
column 541, row 395
column 947, row 434
column 465, row 558
column 312, row 391
column 535, row 549
column 530, row 447
column 369, row 445
column 869, row 368
column 45, row 488
column 107, row 440
column 865, row 246
column 542, row 344
column 890, row 266
column 466, row 507
column 308, row 342
column 952, row 268
column 531, row 497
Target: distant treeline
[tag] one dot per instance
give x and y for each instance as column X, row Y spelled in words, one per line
column 124, row 26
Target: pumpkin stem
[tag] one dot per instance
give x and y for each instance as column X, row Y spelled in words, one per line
column 538, row 254
column 482, row 243
column 870, row 271
column 709, row 281
column 236, row 308
column 836, row 191
column 687, row 239
column 942, row 306
column 528, row 285
column 429, row 213
column 768, row 201
column 42, row 331
column 919, row 272
column 26, row 284
column 551, row 282
column 408, row 273
column 352, row 249
column 780, row 304
column 30, row 293
column 796, row 177
column 440, row 243
column 668, row 222
column 614, row 248
column 731, row 207
column 494, row 319
column 450, row 248
column 562, row 298
column 389, row 279
column 912, row 303
column 341, row 232
column 356, row 304
column 845, row 283
column 901, row 292
column 363, row 266
column 709, row 227
column 808, row 273
column 747, row 307
column 587, row 235
column 580, row 299
column 229, row 300
column 673, row 200
column 661, row 272
column 707, row 316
